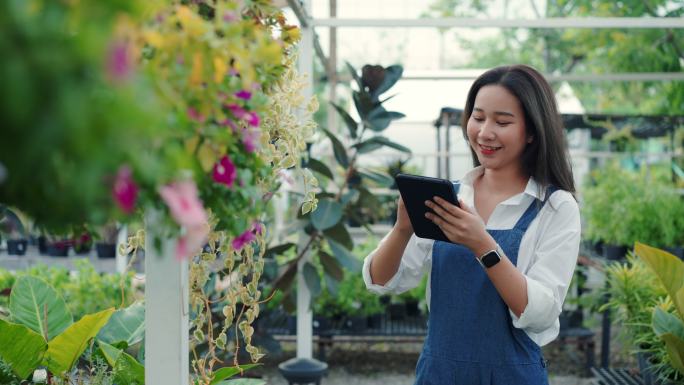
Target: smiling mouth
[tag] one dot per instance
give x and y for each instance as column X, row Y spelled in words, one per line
column 488, row 149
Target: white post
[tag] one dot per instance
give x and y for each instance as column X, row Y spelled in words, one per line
column 121, row 260
column 304, row 315
column 167, row 322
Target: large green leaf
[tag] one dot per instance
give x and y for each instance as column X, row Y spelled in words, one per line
column 669, row 269
column 340, row 234
column 230, row 371
column 345, row 257
column 363, row 103
column 243, row 381
column 271, row 252
column 127, row 370
column 125, row 325
column 381, row 179
column 35, row 303
column 354, row 74
column 675, row 349
column 327, row 215
column 64, row 350
column 21, row 347
column 338, row 149
column 348, row 120
column 313, row 281
column 320, row 167
column 392, row 75
column 664, row 323
column 377, row 142
column 331, row 266
column 379, row 119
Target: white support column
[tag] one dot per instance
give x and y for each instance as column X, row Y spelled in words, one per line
column 121, row 260
column 304, row 315
column 167, row 322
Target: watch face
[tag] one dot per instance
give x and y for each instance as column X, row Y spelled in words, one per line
column 490, row 259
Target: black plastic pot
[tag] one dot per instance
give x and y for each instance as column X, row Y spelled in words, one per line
column 106, row 250
column 412, row 309
column 676, row 250
column 643, row 360
column 614, row 252
column 42, row 245
column 16, row 246
column 303, row 370
column 397, row 311
column 374, row 321
column 58, row 250
column 321, row 325
column 356, row 324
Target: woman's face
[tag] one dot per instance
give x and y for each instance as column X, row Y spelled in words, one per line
column 496, row 128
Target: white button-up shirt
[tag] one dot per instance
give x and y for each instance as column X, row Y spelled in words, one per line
column 547, row 256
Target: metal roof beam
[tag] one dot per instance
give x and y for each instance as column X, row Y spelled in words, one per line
column 552, row 22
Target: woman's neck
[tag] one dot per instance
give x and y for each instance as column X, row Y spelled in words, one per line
column 506, row 181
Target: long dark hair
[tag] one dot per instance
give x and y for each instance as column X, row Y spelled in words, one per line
column 546, row 158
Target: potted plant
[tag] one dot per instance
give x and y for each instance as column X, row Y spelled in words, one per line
column 106, row 246
column 82, row 240
column 13, row 229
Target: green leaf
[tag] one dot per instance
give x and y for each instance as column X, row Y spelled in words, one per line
column 675, row 349
column 279, row 250
column 668, row 268
column 345, row 257
column 331, row 266
column 313, row 281
column 230, row 371
column 338, row 149
column 332, row 284
column 349, row 196
column 126, row 368
column 320, row 167
column 286, row 277
column 64, row 350
column 363, row 104
column 21, row 347
column 377, row 142
column 327, row 215
column 243, row 381
column 354, row 74
column 126, row 325
column 383, row 180
column 340, row 234
column 664, row 322
column 30, row 299
column 379, row 119
column 352, row 125
column 392, row 75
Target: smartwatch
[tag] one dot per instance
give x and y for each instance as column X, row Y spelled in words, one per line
column 491, row 257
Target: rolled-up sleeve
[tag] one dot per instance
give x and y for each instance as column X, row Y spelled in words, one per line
column 414, row 263
column 550, row 272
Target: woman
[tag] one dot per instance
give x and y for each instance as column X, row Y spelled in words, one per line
column 497, row 289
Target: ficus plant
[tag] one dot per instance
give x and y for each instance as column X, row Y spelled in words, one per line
column 346, row 195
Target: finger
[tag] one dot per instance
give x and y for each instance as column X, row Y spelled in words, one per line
column 452, row 209
column 446, row 227
column 465, row 207
column 441, row 211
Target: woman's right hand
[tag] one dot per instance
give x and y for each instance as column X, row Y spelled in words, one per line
column 403, row 223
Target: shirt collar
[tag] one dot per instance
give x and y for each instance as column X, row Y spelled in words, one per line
column 532, row 189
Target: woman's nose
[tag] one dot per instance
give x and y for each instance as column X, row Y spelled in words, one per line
column 486, row 131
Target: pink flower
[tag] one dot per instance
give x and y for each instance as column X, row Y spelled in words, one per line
column 229, row 16
column 225, row 172
column 249, row 139
column 247, row 237
column 243, row 94
column 195, row 115
column 230, row 124
column 252, row 119
column 188, row 211
column 238, row 111
column 125, row 191
column 119, row 61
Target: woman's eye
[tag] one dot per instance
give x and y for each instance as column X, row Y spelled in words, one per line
column 503, row 123
column 478, row 119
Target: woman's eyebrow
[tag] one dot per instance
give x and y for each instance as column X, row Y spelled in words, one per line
column 506, row 113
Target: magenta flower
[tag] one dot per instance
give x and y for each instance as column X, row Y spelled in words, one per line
column 195, row 115
column 252, row 119
column 238, row 111
column 243, row 94
column 125, row 191
column 188, row 211
column 225, row 172
column 230, row 124
column 247, row 237
column 119, row 61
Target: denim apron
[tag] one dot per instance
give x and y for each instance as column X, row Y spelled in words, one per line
column 471, row 339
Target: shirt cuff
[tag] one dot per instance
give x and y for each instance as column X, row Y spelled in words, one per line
column 388, row 287
column 540, row 313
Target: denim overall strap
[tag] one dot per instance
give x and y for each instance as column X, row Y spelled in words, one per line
column 471, row 339
column 533, row 209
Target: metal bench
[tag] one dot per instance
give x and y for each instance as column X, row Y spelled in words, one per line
column 607, row 376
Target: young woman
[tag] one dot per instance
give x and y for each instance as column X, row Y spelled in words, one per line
column 496, row 290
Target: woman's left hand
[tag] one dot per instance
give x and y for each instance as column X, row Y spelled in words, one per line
column 460, row 224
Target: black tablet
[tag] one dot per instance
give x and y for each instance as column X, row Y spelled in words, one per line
column 415, row 190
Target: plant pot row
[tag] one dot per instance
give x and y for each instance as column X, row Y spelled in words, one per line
column 618, row 252
column 60, row 249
